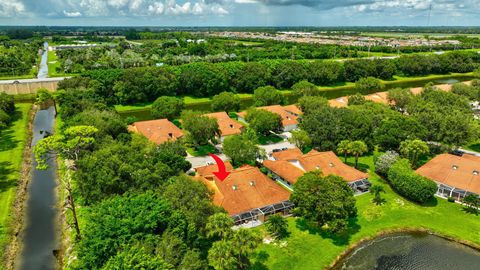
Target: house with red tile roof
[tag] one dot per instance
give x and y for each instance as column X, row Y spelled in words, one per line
column 289, row 165
column 246, row 194
column 289, row 115
column 157, row 131
column 456, row 176
column 227, row 125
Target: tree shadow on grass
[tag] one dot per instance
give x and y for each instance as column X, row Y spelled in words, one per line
column 7, row 136
column 339, row 239
column 430, row 203
column 361, row 166
column 259, row 260
column 5, row 170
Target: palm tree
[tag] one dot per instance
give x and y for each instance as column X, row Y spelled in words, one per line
column 244, row 242
column 413, row 149
column 472, row 202
column 376, row 191
column 357, row 148
column 343, row 148
column 219, row 225
column 222, row 256
column 277, row 226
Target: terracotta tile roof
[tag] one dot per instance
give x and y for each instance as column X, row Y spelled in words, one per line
column 157, row 131
column 284, row 169
column 339, row 102
column 380, row 97
column 244, row 189
column 289, row 154
column 287, row 113
column 416, row 90
column 327, row 162
column 207, row 171
column 227, row 125
column 454, row 171
column 293, row 109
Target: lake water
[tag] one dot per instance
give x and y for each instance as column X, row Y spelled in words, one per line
column 411, row 251
column 39, row 237
column 145, row 114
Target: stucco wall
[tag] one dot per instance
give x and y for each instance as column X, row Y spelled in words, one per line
column 27, row 88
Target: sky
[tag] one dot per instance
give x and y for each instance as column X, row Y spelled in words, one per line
column 241, row 12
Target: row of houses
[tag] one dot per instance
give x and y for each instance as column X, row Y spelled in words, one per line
column 382, row 97
column 162, row 130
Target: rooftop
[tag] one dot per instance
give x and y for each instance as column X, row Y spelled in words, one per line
column 455, row 171
column 327, row 162
column 227, row 125
column 244, row 189
column 288, row 113
column 157, row 131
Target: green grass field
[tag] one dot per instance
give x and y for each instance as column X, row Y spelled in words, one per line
column 53, row 63
column 12, row 142
column 310, row 248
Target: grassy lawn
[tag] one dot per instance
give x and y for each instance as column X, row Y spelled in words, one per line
column 12, row 142
column 473, row 146
column 53, row 63
column 310, row 248
column 263, row 140
column 202, row 150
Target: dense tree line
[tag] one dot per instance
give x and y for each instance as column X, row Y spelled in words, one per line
column 18, row 57
column 434, row 115
column 207, row 79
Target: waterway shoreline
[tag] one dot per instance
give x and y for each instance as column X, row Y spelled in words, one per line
column 386, row 232
column 18, row 209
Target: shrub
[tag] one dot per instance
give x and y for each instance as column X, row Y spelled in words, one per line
column 385, row 161
column 409, row 184
column 451, row 199
column 369, row 84
column 6, row 103
column 4, row 119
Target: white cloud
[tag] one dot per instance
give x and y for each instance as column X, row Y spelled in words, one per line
column 11, row 8
column 72, row 14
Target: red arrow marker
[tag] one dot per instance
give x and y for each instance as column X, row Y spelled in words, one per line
column 222, row 171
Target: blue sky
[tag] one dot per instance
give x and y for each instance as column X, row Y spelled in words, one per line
column 239, row 12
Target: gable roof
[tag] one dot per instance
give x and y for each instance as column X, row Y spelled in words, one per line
column 227, row 125
column 327, row 162
column 289, row 154
column 289, row 114
column 244, row 189
column 157, row 131
column 338, row 102
column 284, row 169
column 207, row 171
column 454, row 171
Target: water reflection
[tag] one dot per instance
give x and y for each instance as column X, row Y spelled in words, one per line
column 413, row 251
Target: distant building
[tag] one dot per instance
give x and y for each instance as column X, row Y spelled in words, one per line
column 456, row 176
column 246, row 194
column 227, row 125
column 288, row 165
column 289, row 115
column 157, row 131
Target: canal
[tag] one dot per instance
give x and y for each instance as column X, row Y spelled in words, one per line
column 411, row 251
column 39, row 236
column 43, row 69
column 145, row 114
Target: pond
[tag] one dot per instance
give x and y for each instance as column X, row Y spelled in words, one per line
column 144, row 114
column 411, row 251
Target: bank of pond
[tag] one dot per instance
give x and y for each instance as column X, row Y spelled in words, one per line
column 410, row 251
column 144, row 113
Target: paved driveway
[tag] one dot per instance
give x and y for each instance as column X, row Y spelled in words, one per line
column 269, row 148
column 202, row 161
